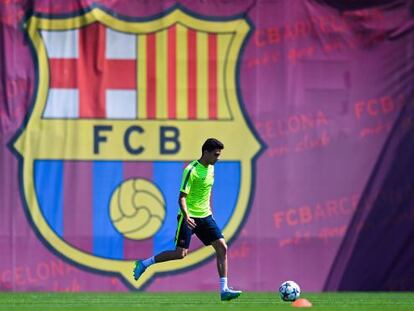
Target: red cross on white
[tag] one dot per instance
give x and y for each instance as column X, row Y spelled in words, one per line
column 92, row 73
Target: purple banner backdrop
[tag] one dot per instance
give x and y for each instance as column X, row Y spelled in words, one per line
column 329, row 90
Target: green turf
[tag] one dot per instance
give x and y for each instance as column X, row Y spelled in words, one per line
column 201, row 301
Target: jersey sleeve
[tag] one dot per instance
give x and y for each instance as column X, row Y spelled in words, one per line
column 187, row 180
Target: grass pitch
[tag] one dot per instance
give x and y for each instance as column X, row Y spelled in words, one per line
column 250, row 301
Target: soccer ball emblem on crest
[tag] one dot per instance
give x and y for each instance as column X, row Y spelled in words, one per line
column 289, row 291
column 137, row 209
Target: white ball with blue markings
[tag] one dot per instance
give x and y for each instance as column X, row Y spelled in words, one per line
column 289, row 291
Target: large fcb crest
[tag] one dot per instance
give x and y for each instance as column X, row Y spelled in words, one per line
column 121, row 106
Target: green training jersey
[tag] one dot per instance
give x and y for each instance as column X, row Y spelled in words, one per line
column 196, row 183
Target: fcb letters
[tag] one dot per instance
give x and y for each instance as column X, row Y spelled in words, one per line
column 168, row 138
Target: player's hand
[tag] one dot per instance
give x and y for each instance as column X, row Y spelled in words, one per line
column 190, row 222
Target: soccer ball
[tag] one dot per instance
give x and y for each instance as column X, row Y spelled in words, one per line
column 289, row 291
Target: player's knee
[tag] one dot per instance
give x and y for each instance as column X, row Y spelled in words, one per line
column 180, row 254
column 222, row 249
column 183, row 254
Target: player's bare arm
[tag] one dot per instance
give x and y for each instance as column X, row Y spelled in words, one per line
column 183, row 207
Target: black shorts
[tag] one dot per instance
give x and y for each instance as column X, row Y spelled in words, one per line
column 206, row 230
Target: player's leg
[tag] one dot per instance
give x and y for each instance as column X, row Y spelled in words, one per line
column 182, row 243
column 220, row 247
column 142, row 265
column 210, row 234
column 178, row 253
column 226, row 292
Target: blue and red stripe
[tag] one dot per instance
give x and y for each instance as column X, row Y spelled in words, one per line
column 74, row 198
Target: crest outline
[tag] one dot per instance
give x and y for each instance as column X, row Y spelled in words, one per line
column 34, row 120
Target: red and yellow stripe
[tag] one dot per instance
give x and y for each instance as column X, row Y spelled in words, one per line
column 181, row 74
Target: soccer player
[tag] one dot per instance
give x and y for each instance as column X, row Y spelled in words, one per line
column 195, row 216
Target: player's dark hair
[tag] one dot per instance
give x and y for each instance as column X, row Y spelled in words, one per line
column 212, row 144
